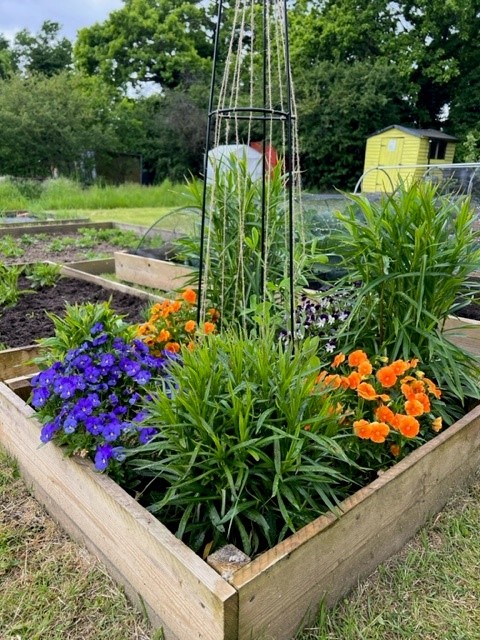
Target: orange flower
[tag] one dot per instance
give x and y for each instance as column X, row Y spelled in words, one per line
column 164, row 335
column 189, row 296
column 384, row 414
column 344, row 382
column 408, row 426
column 395, row 450
column 386, row 376
column 424, row 400
column 333, row 380
column 366, row 391
column 362, row 429
column 417, row 386
column 175, row 306
column 190, row 326
column 173, row 347
column 414, row 408
column 432, row 388
column 407, row 391
column 399, row 367
column 379, row 431
column 354, row 379
column 357, row 357
column 337, row 361
column 191, row 346
column 214, row 314
column 142, row 329
column 208, row 327
column 437, row 424
column 413, row 363
column 365, row 368
column 320, row 377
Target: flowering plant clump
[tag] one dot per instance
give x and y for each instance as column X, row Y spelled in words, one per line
column 173, row 322
column 323, row 317
column 384, row 402
column 93, row 401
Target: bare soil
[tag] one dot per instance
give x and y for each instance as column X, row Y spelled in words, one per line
column 22, row 324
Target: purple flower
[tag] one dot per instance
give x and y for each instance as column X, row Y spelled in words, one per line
column 48, row 431
column 40, row 397
column 112, row 428
column 143, row 376
column 100, row 340
column 119, row 453
column 94, row 425
column 65, row 387
column 70, row 424
column 97, row 327
column 130, row 367
column 103, row 455
column 107, row 360
column 145, row 435
column 82, row 362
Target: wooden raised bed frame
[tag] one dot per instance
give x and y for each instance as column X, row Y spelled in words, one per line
column 150, row 272
column 272, row 596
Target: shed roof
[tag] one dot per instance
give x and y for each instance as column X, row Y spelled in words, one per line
column 420, row 133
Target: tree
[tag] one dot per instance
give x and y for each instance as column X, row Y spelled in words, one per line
column 161, row 41
column 45, row 53
column 51, row 122
column 7, row 61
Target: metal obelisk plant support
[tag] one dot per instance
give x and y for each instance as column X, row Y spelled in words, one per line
column 251, row 105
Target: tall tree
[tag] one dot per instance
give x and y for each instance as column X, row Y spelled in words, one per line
column 7, row 60
column 46, row 53
column 161, row 41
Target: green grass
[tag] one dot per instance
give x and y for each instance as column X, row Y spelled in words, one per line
column 51, row 589
column 167, row 218
column 63, row 194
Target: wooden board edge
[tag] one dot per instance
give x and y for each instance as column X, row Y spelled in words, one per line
column 71, row 490
column 15, row 362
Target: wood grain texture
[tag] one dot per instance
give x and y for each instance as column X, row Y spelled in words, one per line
column 95, row 267
column 281, row 589
column 52, row 227
column 464, row 332
column 16, row 362
column 107, row 284
column 149, row 272
column 181, row 592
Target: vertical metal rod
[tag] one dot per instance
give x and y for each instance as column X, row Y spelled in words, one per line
column 205, row 162
column 291, row 242
column 263, row 265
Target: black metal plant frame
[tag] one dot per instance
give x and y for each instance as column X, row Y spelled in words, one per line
column 264, row 115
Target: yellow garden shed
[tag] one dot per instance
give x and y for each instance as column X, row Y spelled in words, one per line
column 392, row 154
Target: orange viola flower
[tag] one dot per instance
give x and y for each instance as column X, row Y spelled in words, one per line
column 407, row 391
column 379, row 431
column 164, row 335
column 384, row 414
column 337, row 361
column 354, row 379
column 414, row 408
column 432, row 388
column 214, row 314
column 362, row 429
column 333, row 380
column 408, row 426
column 365, row 368
column 417, row 386
column 366, row 391
column 386, row 376
column 357, row 357
column 190, row 326
column 437, row 424
column 175, row 306
column 399, row 367
column 173, row 347
column 395, row 450
column 424, row 400
column 208, row 327
column 344, row 382
column 189, row 296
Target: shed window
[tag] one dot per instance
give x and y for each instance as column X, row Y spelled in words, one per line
column 437, row 149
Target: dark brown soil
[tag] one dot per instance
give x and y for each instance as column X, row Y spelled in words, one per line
column 472, row 311
column 27, row 321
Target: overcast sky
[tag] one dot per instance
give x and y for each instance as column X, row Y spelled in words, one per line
column 72, row 15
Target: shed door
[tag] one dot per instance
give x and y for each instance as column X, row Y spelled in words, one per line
column 391, row 153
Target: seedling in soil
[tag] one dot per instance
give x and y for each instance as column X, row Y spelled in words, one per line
column 43, row 274
column 9, row 289
column 9, row 247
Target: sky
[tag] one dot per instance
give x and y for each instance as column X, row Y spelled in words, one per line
column 72, row 15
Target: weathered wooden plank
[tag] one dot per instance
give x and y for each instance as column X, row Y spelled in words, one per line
column 158, row 274
column 21, row 386
column 95, row 267
column 108, row 284
column 16, row 362
column 464, row 332
column 52, row 227
column 181, row 592
column 281, row 589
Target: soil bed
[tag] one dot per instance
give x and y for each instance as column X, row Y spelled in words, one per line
column 27, row 321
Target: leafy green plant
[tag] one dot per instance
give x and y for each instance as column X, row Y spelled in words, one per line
column 75, row 328
column 9, row 247
column 412, row 252
column 60, row 244
column 248, row 447
column 44, row 274
column 234, row 270
column 9, row 287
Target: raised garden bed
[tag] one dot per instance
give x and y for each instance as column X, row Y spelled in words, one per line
column 22, row 324
column 279, row 590
column 150, row 272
